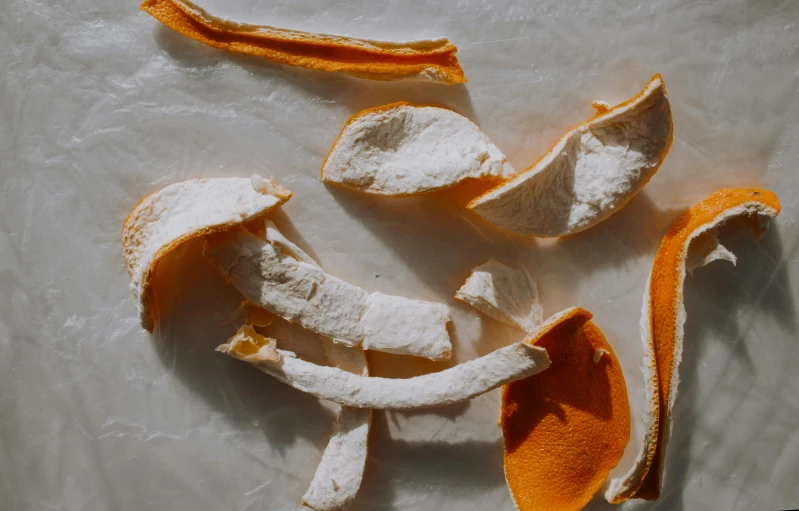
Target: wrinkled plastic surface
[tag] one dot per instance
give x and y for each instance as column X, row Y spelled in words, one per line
column 99, row 106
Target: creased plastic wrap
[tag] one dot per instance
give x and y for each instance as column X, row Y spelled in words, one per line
column 100, row 106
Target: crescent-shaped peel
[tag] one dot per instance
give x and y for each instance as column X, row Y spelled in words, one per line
column 590, row 173
column 663, row 318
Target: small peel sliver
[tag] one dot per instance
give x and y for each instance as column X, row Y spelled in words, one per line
column 426, row 60
column 506, row 294
column 182, row 211
column 663, row 319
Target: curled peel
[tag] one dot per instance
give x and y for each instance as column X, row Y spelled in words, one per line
column 185, row 210
column 663, row 318
column 402, row 149
column 268, row 273
column 503, row 293
column 460, row 383
column 339, row 474
column 590, row 173
column 565, row 428
column 427, row 60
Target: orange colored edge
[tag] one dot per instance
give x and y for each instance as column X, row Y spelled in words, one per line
column 383, row 108
column 147, row 275
column 610, row 111
column 664, row 297
column 590, row 330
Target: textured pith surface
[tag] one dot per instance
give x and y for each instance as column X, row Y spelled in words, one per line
column 403, row 149
column 589, row 174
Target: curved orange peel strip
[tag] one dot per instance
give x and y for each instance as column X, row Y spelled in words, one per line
column 182, row 211
column 663, row 317
column 567, row 427
column 429, row 60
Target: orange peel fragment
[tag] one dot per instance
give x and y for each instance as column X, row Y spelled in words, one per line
column 182, row 211
column 401, row 149
column 567, row 427
column 426, row 60
column 663, row 318
column 590, row 173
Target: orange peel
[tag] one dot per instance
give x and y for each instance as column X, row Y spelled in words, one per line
column 590, row 173
column 400, row 149
column 663, row 318
column 426, row 60
column 182, row 211
column 567, row 427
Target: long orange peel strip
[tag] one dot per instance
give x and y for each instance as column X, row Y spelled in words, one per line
column 565, row 428
column 182, row 211
column 427, row 60
column 663, row 319
column 460, row 383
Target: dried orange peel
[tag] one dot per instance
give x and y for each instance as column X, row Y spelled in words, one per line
column 663, row 318
column 401, row 149
column 186, row 210
column 567, row 427
column 340, row 472
column 590, row 173
column 427, row 60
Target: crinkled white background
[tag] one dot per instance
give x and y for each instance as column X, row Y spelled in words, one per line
column 100, row 106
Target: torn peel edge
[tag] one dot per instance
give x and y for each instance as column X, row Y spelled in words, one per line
column 462, row 382
column 663, row 318
column 428, row 60
column 506, row 294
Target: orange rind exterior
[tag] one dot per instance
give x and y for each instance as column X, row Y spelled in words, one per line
column 567, row 427
column 666, row 315
column 428, row 60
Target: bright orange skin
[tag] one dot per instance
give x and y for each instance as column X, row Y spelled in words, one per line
column 324, row 53
column 665, row 293
column 565, row 428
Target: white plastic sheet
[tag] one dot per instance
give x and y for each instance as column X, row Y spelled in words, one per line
column 99, row 105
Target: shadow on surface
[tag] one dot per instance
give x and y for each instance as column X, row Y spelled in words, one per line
column 357, row 94
column 196, row 306
column 632, row 232
column 470, row 466
column 724, row 300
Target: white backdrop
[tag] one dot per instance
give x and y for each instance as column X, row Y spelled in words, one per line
column 99, row 106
